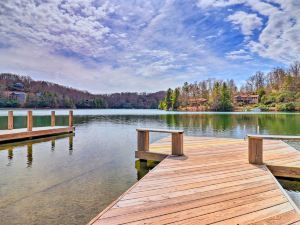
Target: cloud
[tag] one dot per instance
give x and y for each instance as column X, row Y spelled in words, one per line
column 104, row 45
column 73, row 73
column 247, row 22
column 279, row 38
column 75, row 26
column 107, row 46
column 239, row 54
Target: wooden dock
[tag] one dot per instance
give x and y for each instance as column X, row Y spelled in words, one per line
column 212, row 183
column 13, row 135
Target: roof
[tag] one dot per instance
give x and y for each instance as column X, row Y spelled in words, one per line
column 246, row 96
column 197, row 100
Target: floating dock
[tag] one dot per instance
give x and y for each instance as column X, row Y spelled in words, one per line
column 216, row 181
column 13, row 135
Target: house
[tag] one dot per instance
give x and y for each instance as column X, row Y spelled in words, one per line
column 16, row 95
column 18, row 87
column 246, row 99
column 193, row 101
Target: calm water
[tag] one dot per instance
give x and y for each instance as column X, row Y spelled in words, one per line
column 70, row 179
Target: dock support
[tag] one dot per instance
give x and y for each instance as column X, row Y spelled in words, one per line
column 29, row 121
column 71, row 118
column 255, row 150
column 52, row 118
column 177, row 144
column 10, row 120
column 143, row 152
column 143, row 141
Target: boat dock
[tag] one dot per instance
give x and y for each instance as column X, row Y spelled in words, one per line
column 207, row 180
column 13, row 135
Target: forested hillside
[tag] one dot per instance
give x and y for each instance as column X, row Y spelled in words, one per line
column 22, row 91
column 277, row 90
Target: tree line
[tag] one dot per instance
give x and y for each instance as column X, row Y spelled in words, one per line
column 42, row 94
column 277, row 90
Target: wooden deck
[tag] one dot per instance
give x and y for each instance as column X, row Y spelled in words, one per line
column 213, row 183
column 23, row 133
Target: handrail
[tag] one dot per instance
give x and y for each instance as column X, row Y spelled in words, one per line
column 143, row 139
column 274, row 137
column 10, row 120
column 160, row 130
column 255, row 145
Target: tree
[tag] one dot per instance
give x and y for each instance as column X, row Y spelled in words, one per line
column 175, row 99
column 169, row 99
column 225, row 100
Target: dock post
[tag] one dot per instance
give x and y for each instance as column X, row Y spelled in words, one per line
column 10, row 120
column 143, row 141
column 255, row 150
column 52, row 118
column 29, row 121
column 71, row 118
column 177, row 144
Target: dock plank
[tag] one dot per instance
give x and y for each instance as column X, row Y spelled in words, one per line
column 36, row 132
column 213, row 183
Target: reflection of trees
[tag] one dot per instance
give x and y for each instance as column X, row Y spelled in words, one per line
column 268, row 123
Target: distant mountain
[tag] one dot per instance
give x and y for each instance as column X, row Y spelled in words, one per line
column 23, row 91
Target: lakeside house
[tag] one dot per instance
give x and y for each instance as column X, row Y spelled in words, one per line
column 19, row 96
column 197, row 101
column 246, row 99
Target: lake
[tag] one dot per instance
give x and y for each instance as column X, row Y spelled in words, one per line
column 70, row 179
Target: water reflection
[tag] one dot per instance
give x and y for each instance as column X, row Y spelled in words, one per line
column 71, row 179
column 143, row 167
column 52, row 145
column 71, row 144
column 29, row 145
column 292, row 186
column 29, row 155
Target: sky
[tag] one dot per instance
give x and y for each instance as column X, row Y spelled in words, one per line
column 146, row 45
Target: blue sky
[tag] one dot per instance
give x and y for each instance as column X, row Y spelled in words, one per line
column 113, row 46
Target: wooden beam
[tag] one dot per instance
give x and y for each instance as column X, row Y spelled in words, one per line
column 285, row 171
column 10, row 120
column 35, row 133
column 150, row 155
column 71, row 118
column 273, row 137
column 255, row 150
column 52, row 118
column 143, row 141
column 29, row 121
column 177, row 144
column 159, row 130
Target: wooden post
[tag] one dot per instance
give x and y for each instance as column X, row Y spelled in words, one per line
column 29, row 121
column 143, row 141
column 177, row 144
column 71, row 118
column 10, row 120
column 255, row 150
column 52, row 118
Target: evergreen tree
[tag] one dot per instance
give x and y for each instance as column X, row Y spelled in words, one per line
column 169, row 99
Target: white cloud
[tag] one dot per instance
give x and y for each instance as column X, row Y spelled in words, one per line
column 205, row 4
column 40, row 64
column 279, row 39
column 246, row 21
column 239, row 54
column 75, row 26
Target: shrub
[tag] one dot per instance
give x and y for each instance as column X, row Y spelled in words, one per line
column 264, row 108
column 286, row 107
column 267, row 100
column 281, row 97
